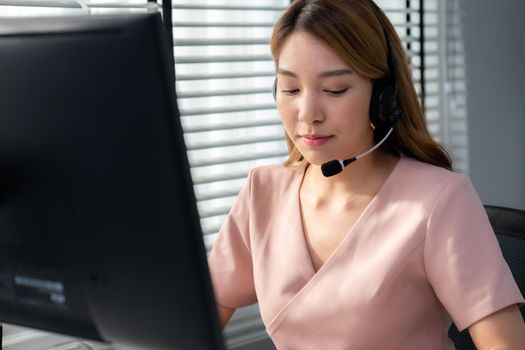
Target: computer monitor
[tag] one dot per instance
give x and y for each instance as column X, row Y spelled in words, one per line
column 99, row 229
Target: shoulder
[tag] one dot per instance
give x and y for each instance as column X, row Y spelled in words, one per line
column 423, row 186
column 430, row 179
column 272, row 176
column 270, row 184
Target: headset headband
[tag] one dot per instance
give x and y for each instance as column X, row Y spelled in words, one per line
column 390, row 60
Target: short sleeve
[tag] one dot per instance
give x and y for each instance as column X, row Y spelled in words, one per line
column 463, row 259
column 230, row 260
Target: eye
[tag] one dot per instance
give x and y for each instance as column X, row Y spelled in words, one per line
column 336, row 92
column 291, row 91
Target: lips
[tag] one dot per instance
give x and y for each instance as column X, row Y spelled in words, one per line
column 315, row 140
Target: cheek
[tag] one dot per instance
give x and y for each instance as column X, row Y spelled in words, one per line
column 356, row 109
column 288, row 117
column 289, row 127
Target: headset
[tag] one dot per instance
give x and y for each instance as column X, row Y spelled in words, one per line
column 383, row 111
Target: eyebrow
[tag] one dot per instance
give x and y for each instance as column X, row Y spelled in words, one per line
column 327, row 74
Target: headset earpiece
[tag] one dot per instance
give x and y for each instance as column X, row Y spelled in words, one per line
column 274, row 89
column 383, row 107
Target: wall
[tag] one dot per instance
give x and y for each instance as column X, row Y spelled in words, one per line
column 495, row 62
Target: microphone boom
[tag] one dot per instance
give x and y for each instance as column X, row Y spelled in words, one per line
column 335, row 166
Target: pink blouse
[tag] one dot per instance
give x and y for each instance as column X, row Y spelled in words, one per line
column 421, row 254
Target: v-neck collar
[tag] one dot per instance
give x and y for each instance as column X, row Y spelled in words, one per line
column 348, row 236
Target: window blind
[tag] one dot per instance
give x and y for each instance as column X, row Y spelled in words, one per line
column 453, row 83
column 435, row 48
column 224, row 76
column 20, row 8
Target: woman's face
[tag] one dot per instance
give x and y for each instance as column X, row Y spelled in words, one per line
column 323, row 103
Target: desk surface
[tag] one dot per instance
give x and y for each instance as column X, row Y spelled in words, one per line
column 20, row 338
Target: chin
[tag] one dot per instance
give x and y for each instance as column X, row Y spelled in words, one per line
column 316, row 160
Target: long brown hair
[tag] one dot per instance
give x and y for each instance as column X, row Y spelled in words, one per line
column 351, row 28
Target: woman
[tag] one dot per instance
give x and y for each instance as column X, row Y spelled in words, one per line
column 384, row 254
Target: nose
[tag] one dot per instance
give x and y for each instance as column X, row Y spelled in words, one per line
column 309, row 109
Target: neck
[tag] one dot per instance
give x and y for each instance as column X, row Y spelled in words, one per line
column 360, row 177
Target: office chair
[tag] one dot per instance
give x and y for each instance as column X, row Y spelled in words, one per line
column 509, row 226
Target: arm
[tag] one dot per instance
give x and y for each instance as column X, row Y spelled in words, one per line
column 225, row 313
column 502, row 330
column 230, row 260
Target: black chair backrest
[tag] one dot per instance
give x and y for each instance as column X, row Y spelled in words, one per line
column 509, row 226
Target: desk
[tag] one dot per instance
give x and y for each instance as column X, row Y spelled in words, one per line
column 20, row 338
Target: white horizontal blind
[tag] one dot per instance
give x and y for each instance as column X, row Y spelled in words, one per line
column 20, row 8
column 224, row 76
column 453, row 85
column 435, row 47
column 418, row 29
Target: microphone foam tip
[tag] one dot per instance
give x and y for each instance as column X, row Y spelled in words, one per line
column 331, row 168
